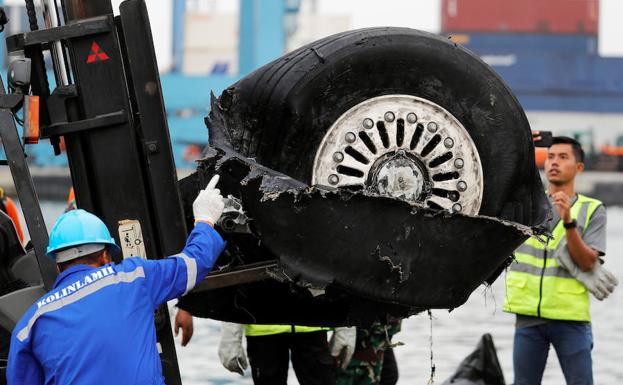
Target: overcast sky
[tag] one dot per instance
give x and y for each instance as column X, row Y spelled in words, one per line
column 418, row 14
column 425, row 15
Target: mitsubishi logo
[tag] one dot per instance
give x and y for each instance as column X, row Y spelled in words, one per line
column 96, row 54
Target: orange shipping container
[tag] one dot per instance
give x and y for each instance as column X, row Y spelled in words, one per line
column 527, row 16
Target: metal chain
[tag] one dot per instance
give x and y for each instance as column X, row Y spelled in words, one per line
column 32, row 15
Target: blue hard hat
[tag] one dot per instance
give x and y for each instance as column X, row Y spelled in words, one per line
column 79, row 227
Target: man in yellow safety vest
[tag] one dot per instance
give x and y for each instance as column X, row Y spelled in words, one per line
column 551, row 302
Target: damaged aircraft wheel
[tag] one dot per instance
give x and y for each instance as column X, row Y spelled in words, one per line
column 408, row 113
column 380, row 120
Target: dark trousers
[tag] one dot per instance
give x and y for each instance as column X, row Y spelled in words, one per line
column 572, row 341
column 269, row 357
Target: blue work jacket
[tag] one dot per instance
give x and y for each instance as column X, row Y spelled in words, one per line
column 96, row 326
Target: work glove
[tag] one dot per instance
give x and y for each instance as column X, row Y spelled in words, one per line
column 342, row 345
column 599, row 281
column 230, row 349
column 209, row 204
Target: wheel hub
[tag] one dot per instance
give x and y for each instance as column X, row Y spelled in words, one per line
column 404, row 147
column 400, row 176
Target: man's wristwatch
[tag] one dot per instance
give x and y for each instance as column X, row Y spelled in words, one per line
column 571, row 225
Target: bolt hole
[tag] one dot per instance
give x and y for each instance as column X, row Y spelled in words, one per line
column 438, row 161
column 433, row 205
column 400, row 132
column 445, row 176
column 452, row 195
column 367, row 141
column 345, row 170
column 380, row 126
column 228, row 225
column 430, row 146
column 359, row 157
column 415, row 139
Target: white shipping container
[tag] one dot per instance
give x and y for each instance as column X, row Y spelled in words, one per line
column 210, row 40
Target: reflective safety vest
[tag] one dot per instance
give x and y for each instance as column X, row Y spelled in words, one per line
column 538, row 286
column 267, row 330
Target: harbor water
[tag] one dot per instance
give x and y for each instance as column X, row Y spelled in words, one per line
column 450, row 336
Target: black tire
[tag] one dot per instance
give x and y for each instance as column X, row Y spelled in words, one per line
column 280, row 113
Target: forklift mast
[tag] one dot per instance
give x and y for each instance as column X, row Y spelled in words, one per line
column 108, row 108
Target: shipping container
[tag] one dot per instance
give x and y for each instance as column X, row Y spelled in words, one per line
column 543, row 44
column 535, row 16
column 552, row 72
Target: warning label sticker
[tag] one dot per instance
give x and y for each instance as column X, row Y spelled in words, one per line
column 131, row 238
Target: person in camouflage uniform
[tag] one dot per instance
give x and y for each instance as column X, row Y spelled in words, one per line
column 373, row 349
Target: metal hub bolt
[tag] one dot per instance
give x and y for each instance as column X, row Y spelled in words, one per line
column 368, row 123
column 350, row 137
column 459, row 163
column 334, row 179
column 338, row 157
column 461, row 186
column 411, row 117
column 389, row 116
column 432, row 127
column 448, row 142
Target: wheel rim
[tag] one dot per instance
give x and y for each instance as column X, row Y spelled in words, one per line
column 403, row 147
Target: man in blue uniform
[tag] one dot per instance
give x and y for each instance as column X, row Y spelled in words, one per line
column 96, row 325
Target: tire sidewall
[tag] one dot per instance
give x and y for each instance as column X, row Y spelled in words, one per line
column 318, row 89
